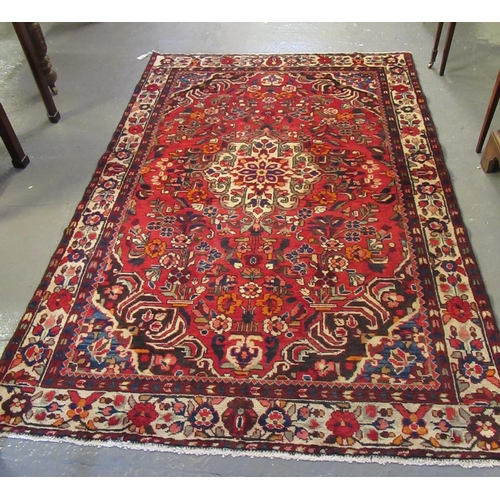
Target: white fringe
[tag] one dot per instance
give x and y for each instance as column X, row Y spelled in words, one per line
column 186, row 450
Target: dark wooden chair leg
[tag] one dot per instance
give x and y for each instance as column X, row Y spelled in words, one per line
column 40, row 45
column 447, row 45
column 436, row 45
column 40, row 79
column 492, row 106
column 19, row 158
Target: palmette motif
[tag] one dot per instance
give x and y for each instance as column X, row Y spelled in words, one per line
column 269, row 258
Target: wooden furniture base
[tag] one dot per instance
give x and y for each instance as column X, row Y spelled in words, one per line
column 40, row 45
column 40, row 78
column 492, row 106
column 9, row 137
column 447, row 45
column 491, row 156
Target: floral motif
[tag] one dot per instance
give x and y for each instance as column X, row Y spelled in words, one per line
column 221, row 324
column 342, row 424
column 486, row 430
column 250, row 290
column 459, row 309
column 204, row 417
column 60, row 300
column 275, row 420
column 275, row 326
column 270, row 304
column 15, row 407
column 472, row 368
column 239, row 417
column 228, row 303
column 142, row 415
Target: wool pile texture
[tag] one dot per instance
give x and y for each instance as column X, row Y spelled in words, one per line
column 269, row 259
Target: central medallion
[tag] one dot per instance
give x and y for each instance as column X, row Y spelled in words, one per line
column 260, row 176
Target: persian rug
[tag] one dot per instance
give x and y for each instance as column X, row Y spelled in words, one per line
column 269, row 260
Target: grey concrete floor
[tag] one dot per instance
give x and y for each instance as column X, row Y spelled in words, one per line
column 98, row 69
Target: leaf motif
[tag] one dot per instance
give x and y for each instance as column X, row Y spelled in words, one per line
column 397, row 441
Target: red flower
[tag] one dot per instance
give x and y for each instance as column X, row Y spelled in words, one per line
column 58, row 300
column 135, row 129
column 240, row 417
column 459, row 309
column 343, row 424
column 324, row 60
column 142, row 414
column 401, row 88
column 410, row 130
column 252, row 260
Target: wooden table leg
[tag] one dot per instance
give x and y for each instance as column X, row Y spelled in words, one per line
column 436, row 45
column 19, row 158
column 40, row 45
column 40, row 79
column 447, row 45
column 492, row 106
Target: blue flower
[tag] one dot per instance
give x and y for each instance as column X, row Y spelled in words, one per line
column 305, row 248
column 472, row 368
column 210, row 211
column 203, row 247
column 304, row 213
column 449, row 266
column 203, row 266
column 169, row 219
column 204, row 417
column 76, row 255
column 166, row 232
column 154, row 226
column 275, row 420
column 93, row 219
column 352, row 236
column 300, row 268
column 214, row 255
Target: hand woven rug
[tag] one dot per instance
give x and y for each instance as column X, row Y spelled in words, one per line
column 269, row 260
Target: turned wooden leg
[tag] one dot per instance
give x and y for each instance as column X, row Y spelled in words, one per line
column 492, row 106
column 491, row 155
column 9, row 137
column 447, row 45
column 40, row 79
column 436, row 45
column 40, row 45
